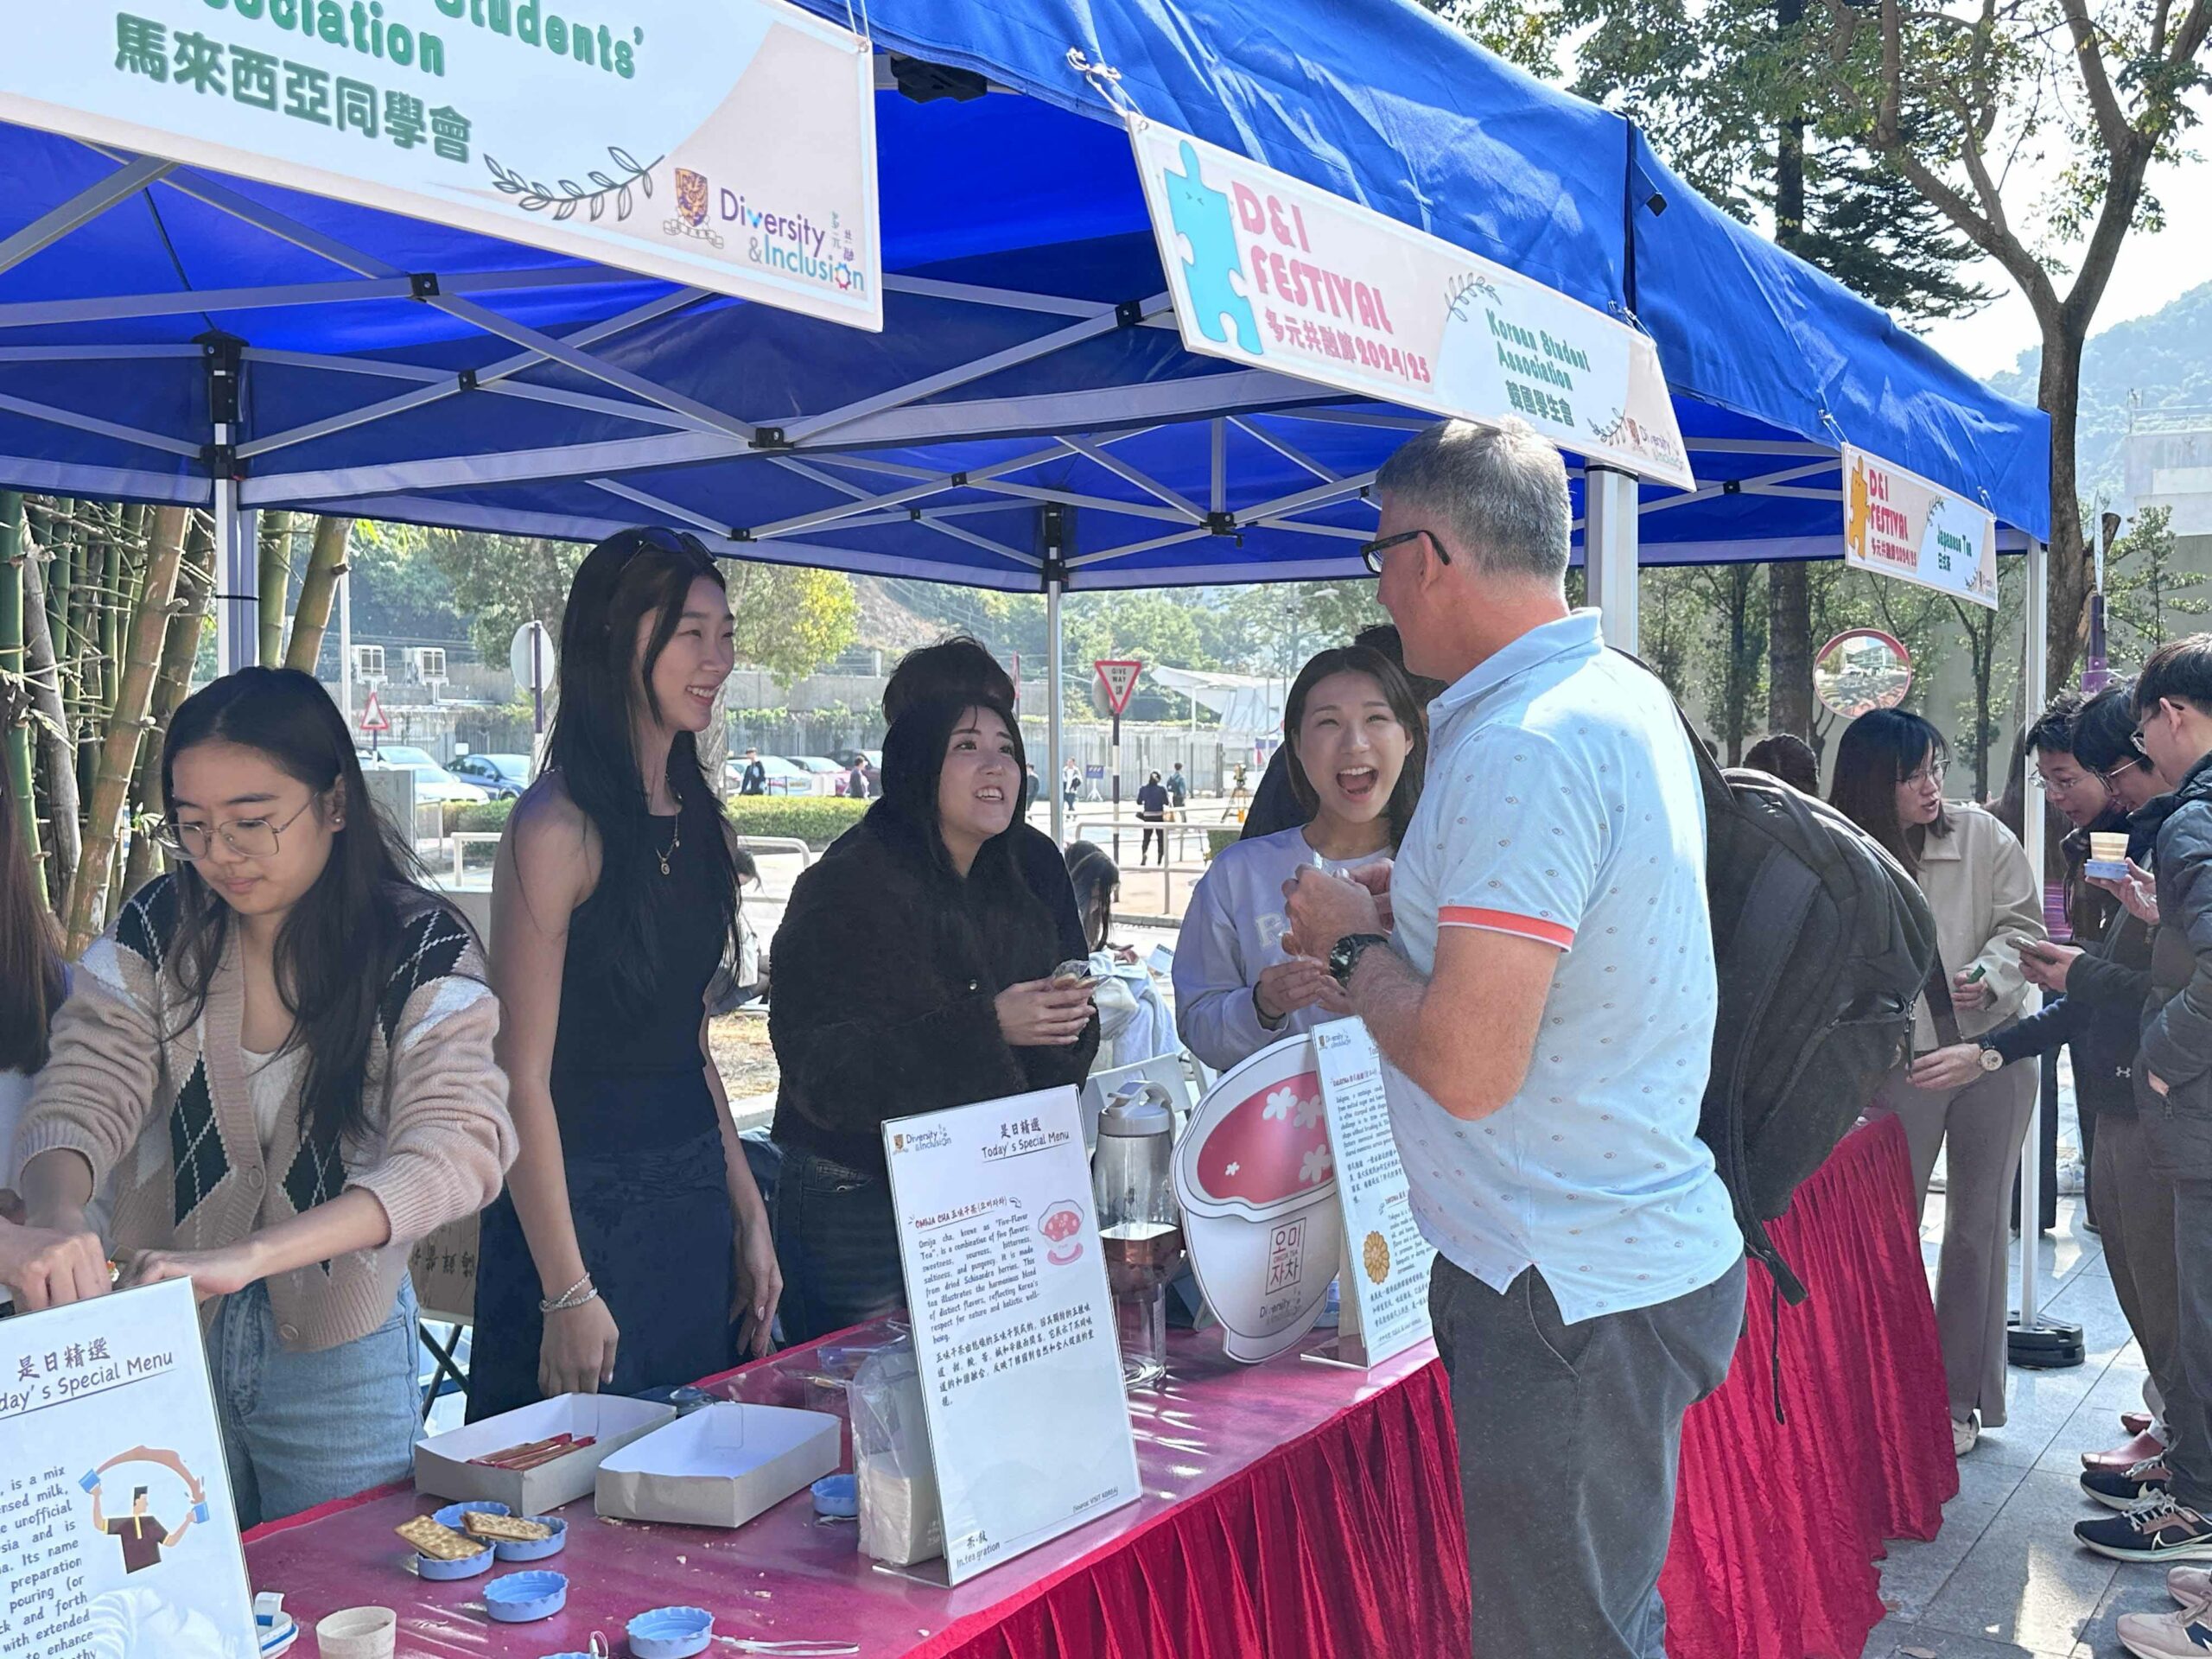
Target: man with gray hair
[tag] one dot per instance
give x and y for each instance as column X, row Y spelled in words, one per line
column 1543, row 997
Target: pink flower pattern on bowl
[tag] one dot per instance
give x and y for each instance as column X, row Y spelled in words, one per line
column 1270, row 1149
column 1060, row 1226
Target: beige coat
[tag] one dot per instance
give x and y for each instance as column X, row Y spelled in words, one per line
column 1977, row 882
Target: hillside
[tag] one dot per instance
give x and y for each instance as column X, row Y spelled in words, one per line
column 2166, row 356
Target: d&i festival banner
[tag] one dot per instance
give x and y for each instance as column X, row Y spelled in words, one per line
column 1269, row 271
column 1900, row 525
column 729, row 144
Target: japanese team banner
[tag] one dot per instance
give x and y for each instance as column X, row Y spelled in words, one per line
column 725, row 144
column 1271, row 272
column 1900, row 525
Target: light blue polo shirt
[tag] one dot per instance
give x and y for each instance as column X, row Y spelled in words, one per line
column 1562, row 804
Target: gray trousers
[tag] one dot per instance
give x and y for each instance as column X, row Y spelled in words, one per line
column 1983, row 1123
column 1569, row 1436
column 2135, row 1211
column 2179, row 1133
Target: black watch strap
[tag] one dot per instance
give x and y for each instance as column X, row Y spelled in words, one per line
column 1344, row 960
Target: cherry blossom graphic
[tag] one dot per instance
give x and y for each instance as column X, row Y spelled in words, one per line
column 1263, row 1150
column 1314, row 1167
column 1281, row 1102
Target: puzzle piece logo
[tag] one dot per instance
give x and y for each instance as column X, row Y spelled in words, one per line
column 1203, row 220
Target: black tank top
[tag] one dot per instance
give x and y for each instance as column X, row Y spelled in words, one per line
column 636, row 1078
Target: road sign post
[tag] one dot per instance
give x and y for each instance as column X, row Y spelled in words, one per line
column 373, row 722
column 1120, row 679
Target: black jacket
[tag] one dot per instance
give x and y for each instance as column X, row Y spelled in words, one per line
column 885, row 972
column 2178, row 1018
column 2101, row 1016
column 1274, row 803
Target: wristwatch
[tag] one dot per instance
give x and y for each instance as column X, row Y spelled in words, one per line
column 1991, row 1060
column 1344, row 960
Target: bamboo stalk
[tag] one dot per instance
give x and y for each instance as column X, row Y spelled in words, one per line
column 179, row 649
column 275, row 582
column 56, row 745
column 126, row 724
column 16, row 739
column 325, row 564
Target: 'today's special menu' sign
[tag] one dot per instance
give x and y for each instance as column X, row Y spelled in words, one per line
column 1269, row 271
column 1013, row 1325
column 725, row 143
column 1384, row 1286
column 1898, row 523
column 117, row 1534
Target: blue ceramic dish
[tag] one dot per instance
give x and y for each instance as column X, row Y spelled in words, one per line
column 671, row 1633
column 455, row 1515
column 428, row 1567
column 534, row 1549
column 838, row 1496
column 521, row 1597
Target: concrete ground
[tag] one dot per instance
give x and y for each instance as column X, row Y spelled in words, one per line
column 2004, row 1579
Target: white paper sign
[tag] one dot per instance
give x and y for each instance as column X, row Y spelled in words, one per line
column 1013, row 1326
column 729, row 143
column 1386, row 1285
column 1898, row 523
column 1257, row 1184
column 1266, row 270
column 117, row 1534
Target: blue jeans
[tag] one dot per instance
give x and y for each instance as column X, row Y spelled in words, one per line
column 837, row 1243
column 300, row 1429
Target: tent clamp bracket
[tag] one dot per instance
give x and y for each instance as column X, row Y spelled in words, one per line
column 466, row 380
column 422, row 285
column 770, row 437
column 1221, row 524
column 1732, row 486
column 1130, row 313
column 221, row 460
column 739, row 534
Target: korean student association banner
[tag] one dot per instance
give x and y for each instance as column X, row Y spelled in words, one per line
column 1899, row 523
column 725, row 144
column 1267, row 271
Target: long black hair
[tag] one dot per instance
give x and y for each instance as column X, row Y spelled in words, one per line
column 30, row 945
column 339, row 944
column 992, row 903
column 1880, row 750
column 1405, row 707
column 1096, row 880
column 604, row 683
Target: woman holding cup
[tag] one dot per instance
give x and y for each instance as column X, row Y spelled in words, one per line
column 1889, row 781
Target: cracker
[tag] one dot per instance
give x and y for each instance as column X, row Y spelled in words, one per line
column 505, row 1528
column 439, row 1544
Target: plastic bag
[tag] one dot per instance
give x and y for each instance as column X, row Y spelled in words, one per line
column 902, row 1520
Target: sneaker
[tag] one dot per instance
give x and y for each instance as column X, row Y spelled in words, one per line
column 2185, row 1634
column 2188, row 1584
column 1965, row 1431
column 2156, row 1529
column 2134, row 1422
column 2145, row 1448
column 2122, row 1489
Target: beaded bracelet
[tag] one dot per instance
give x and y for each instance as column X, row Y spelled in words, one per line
column 575, row 1296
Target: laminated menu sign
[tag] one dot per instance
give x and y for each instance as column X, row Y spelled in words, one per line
column 1385, row 1283
column 117, row 1534
column 1013, row 1326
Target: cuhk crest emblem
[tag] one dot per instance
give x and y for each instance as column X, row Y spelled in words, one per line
column 690, row 196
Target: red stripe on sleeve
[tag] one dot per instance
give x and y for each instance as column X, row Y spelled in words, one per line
column 1504, row 921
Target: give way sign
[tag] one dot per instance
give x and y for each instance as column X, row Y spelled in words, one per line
column 1120, row 680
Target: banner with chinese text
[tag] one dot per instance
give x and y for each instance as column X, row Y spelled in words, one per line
column 725, row 144
column 1269, row 271
column 1902, row 525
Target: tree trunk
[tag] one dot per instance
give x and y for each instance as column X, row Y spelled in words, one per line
column 16, row 737
column 325, row 564
column 179, row 649
column 276, row 584
column 1790, row 648
column 57, row 746
column 126, row 723
column 2073, row 562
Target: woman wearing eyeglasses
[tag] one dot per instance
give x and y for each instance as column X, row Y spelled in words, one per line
column 631, row 1237
column 282, row 1051
column 1889, row 781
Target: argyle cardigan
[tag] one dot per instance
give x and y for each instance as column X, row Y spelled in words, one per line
column 172, row 1116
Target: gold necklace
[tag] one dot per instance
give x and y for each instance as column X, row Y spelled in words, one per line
column 674, row 842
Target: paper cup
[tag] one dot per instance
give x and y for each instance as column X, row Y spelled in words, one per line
column 359, row 1633
column 2108, row 847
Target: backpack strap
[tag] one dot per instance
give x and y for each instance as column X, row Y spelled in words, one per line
column 1940, row 1008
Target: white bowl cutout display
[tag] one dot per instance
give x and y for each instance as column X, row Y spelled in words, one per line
column 1258, row 1186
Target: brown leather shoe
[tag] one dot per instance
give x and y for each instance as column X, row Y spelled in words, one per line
column 2144, row 1447
column 2134, row 1422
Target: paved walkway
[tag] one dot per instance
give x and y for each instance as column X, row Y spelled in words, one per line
column 2004, row 1579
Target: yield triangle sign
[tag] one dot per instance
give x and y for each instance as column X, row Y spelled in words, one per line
column 373, row 718
column 1120, row 680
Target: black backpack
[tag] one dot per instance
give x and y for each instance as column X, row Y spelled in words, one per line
column 1822, row 943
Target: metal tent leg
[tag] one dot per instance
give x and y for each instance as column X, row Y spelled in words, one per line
column 1609, row 537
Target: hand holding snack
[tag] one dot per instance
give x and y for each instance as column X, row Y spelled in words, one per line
column 2137, row 891
column 1288, row 987
column 1043, row 1012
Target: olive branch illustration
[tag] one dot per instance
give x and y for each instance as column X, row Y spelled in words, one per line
column 1457, row 290
column 566, row 195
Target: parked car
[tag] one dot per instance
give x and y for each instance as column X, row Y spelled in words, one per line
column 504, row 775
column 432, row 781
column 784, row 777
column 829, row 777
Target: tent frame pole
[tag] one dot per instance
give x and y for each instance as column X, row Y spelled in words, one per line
column 1609, row 550
column 1053, row 522
column 2036, row 690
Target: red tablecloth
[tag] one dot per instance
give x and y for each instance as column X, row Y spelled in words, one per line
column 1302, row 1510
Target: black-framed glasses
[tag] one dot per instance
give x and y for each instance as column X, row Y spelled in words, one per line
column 664, row 539
column 1372, row 552
column 247, row 838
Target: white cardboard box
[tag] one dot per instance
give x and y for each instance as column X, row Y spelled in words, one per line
column 720, row 1466
column 442, row 1468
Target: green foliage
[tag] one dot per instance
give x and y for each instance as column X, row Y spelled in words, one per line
column 2147, row 593
column 816, row 819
